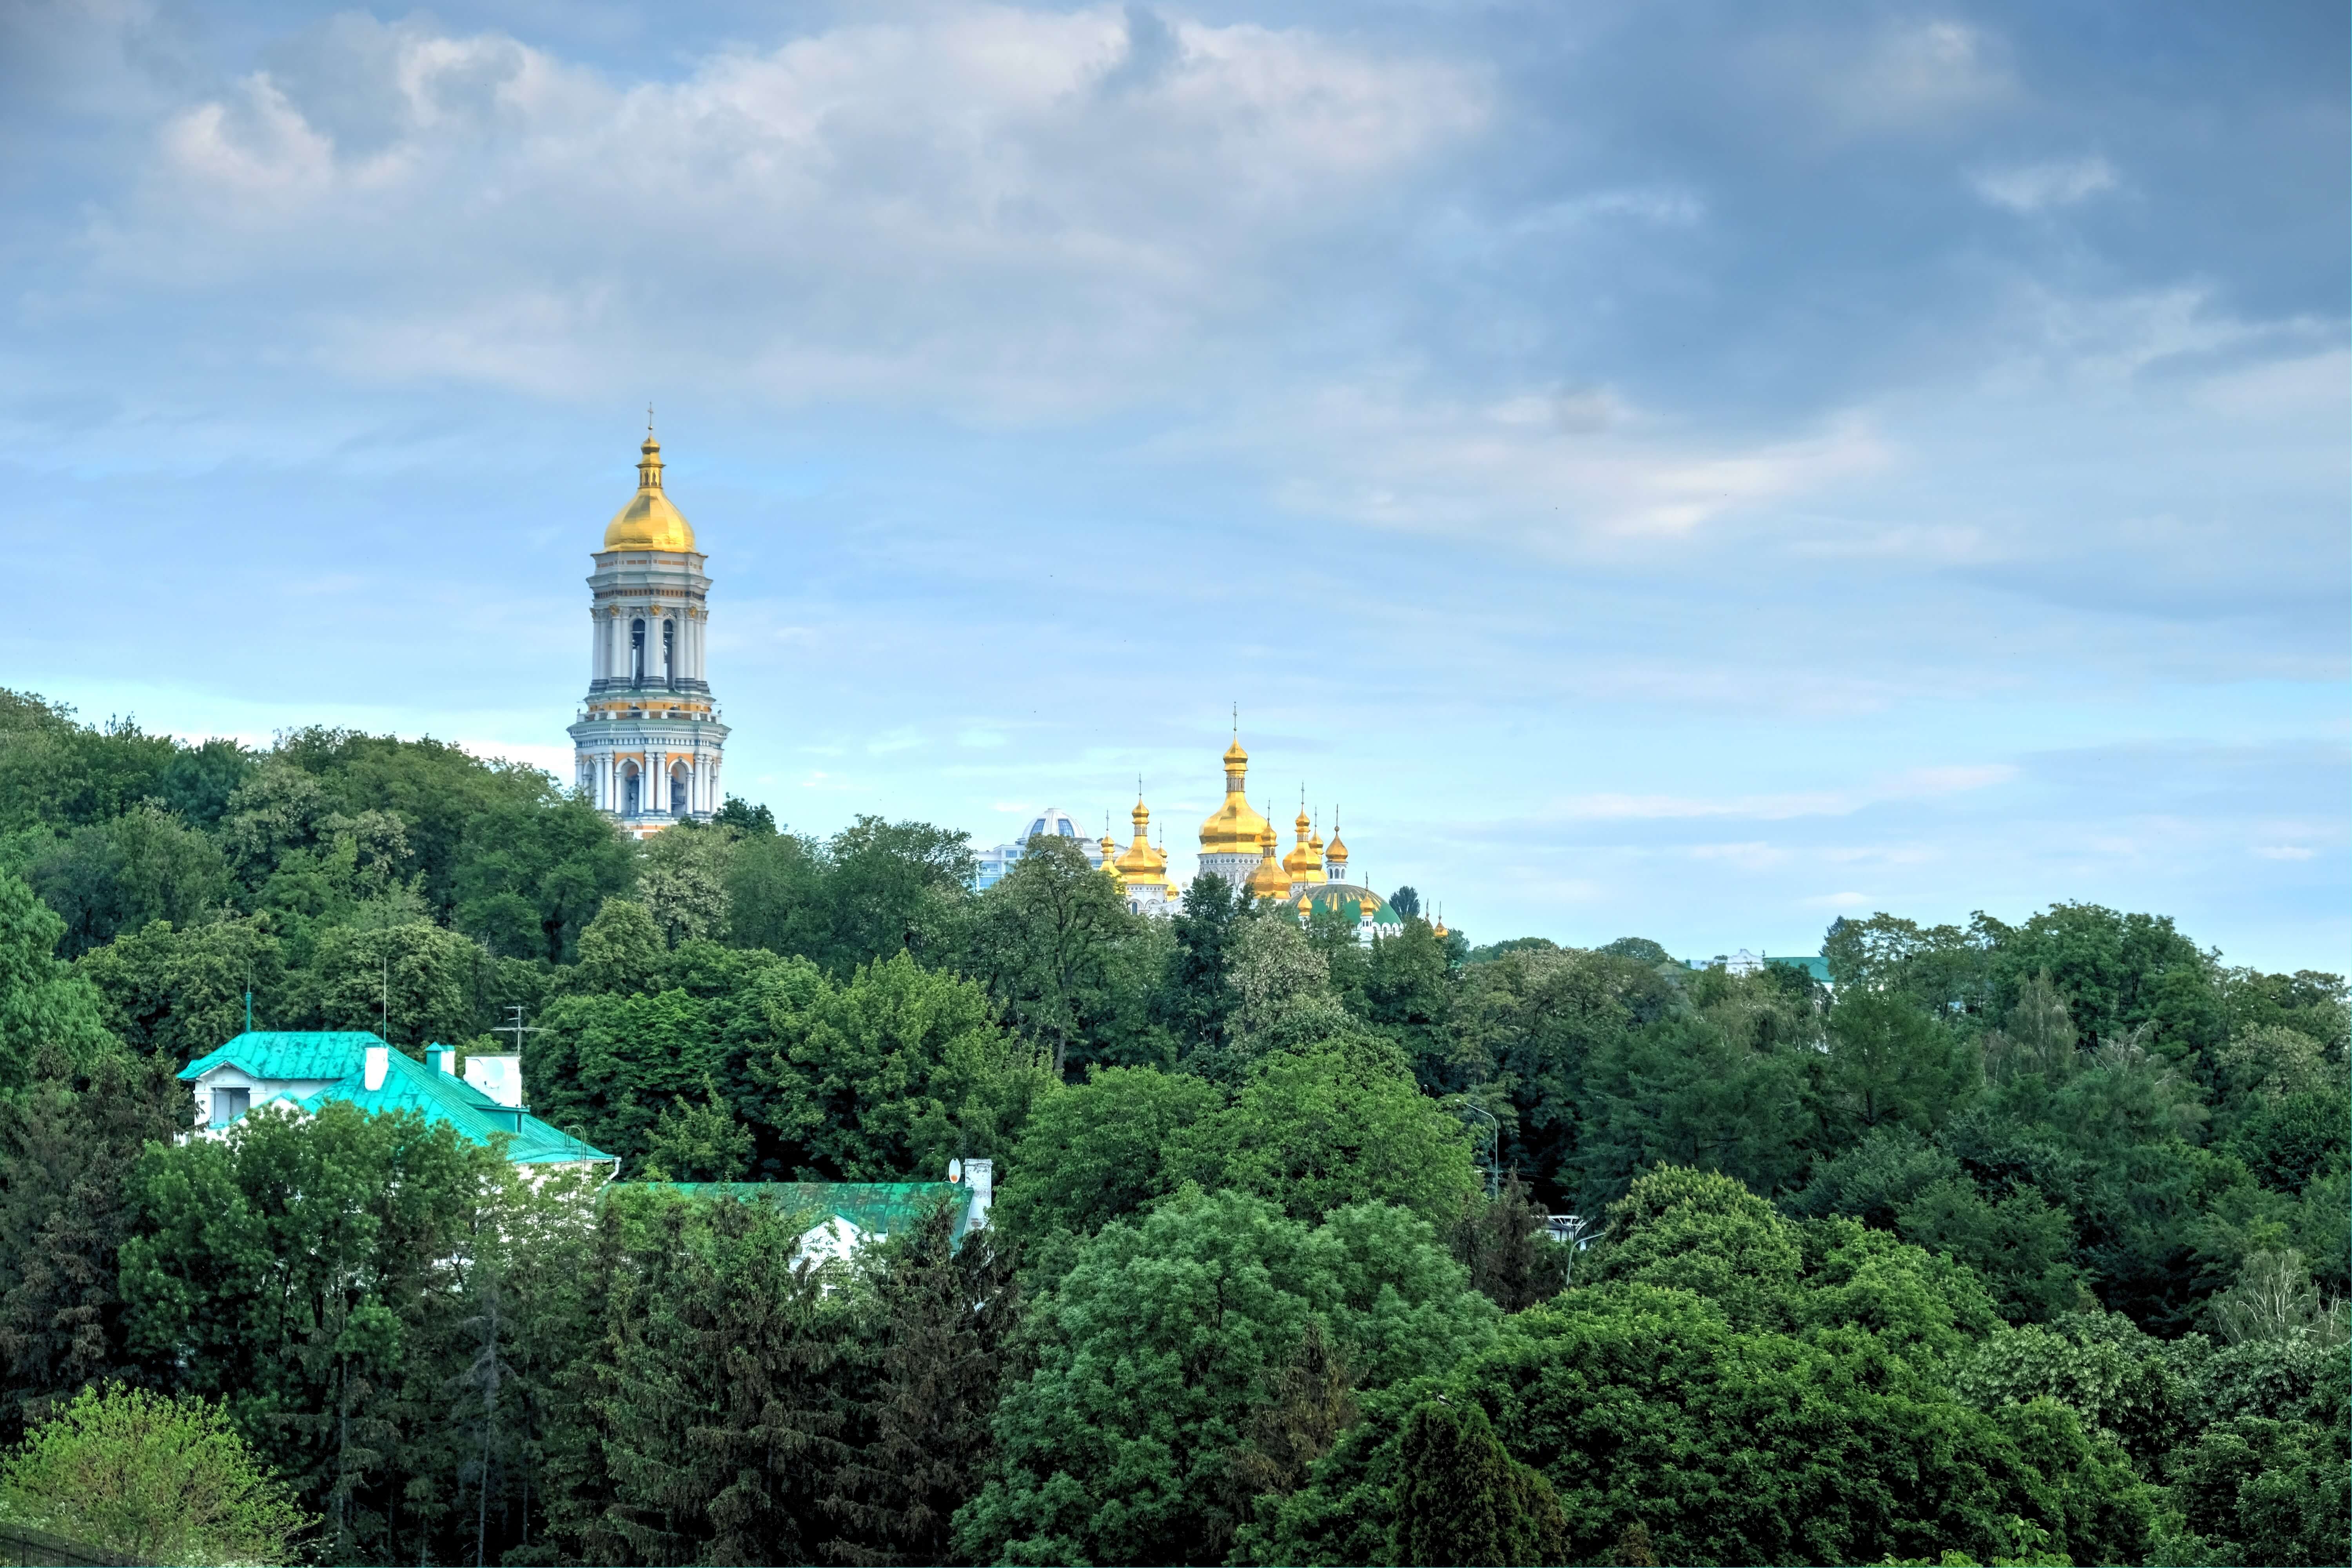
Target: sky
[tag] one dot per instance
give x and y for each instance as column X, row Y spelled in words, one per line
column 1671, row 470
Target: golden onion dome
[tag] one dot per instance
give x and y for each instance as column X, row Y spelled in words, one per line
column 1336, row 855
column 1269, row 880
column 1304, row 862
column 1142, row 863
column 1233, row 828
column 649, row 522
column 1110, row 863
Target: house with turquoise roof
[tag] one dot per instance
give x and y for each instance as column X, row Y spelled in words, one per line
column 298, row 1071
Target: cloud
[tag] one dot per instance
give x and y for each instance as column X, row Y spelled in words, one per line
column 1018, row 209
column 2284, row 852
column 2036, row 187
column 1917, row 783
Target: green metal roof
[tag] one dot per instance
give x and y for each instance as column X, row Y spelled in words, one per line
column 876, row 1207
column 1350, row 902
column 408, row 1085
column 1816, row 965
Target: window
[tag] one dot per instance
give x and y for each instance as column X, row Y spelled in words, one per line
column 228, row 1104
column 670, row 646
column 629, row 793
column 678, row 794
column 636, row 650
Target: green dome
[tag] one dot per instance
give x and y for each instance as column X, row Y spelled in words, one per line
column 1351, row 902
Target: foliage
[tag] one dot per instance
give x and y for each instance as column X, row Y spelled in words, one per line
column 158, row 1480
column 1460, row 1498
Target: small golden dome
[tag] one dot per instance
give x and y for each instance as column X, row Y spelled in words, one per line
column 649, row 522
column 1236, row 758
column 1269, row 880
column 1337, row 854
column 1304, row 862
column 1110, row 863
column 1142, row 863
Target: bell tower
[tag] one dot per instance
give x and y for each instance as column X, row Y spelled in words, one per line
column 649, row 740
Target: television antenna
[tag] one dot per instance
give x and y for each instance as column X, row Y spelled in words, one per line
column 518, row 1029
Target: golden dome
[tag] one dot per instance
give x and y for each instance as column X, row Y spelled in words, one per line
column 1110, row 863
column 1233, row 828
column 1336, row 855
column 1305, row 863
column 649, row 522
column 1142, row 863
column 1269, row 880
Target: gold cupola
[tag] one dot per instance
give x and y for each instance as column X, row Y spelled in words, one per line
column 1335, row 858
column 1269, row 880
column 1304, row 862
column 1111, row 859
column 649, row 522
column 1233, row 828
column 1142, row 865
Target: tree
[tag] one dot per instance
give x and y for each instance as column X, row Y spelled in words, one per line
column 682, row 881
column 705, row 1142
column 412, row 983
column 1460, row 1499
column 1196, row 997
column 183, row 991
column 1282, row 991
column 743, row 817
column 1119, row 1447
column 944, row 1319
column 1098, row 1151
column 1313, row 1131
column 116, row 876
column 889, row 887
column 160, row 1480
column 1405, row 901
column 1063, row 959
column 301, row 1271
column 1503, row 1243
column 1888, row 1062
column 68, row 1145
column 533, row 869
column 43, row 1003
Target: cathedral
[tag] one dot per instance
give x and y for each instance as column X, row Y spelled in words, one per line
column 648, row 740
column 1240, row 845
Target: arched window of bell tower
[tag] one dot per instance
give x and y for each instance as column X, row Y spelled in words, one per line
column 629, row 784
column 637, row 652
column 669, row 651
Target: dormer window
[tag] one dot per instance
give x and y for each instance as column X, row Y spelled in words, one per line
column 228, row 1104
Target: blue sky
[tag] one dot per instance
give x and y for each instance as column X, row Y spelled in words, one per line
column 1682, row 471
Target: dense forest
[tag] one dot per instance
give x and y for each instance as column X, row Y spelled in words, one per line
column 2016, row 1243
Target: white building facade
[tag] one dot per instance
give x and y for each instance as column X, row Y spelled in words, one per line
column 649, row 742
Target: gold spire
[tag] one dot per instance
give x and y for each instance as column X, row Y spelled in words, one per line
column 649, row 522
column 1334, row 858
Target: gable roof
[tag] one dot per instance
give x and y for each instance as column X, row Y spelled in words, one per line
column 340, row 1056
column 875, row 1207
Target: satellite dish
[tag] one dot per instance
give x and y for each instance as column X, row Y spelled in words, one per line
column 955, row 1169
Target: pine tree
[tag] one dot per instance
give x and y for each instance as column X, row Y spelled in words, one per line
column 1503, row 1244
column 945, row 1315
column 1460, row 1499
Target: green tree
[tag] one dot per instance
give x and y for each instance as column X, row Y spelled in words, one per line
column 1889, row 1063
column 1061, row 958
column 1119, row 1447
column 1098, row 1151
column 534, row 870
column 889, row 887
column 1504, row 1244
column 160, row 1480
column 1196, row 999
column 116, row 876
column 43, row 1003
column 1282, row 991
column 682, row 880
column 67, row 1145
column 704, row 1142
column 183, row 991
column 412, row 982
column 1313, row 1131
column 1460, row 1498
column 944, row 1318
column 300, row 1271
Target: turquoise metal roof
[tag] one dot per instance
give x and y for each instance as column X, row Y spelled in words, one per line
column 1815, row 965
column 408, row 1085
column 883, row 1207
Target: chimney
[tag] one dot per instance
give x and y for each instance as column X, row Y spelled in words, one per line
column 979, row 1176
column 442, row 1059
column 379, row 1062
column 499, row 1076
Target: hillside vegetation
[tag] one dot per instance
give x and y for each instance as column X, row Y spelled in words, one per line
column 2020, row 1242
